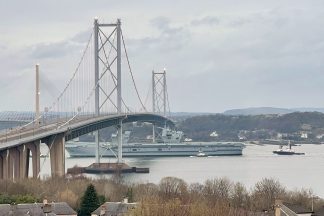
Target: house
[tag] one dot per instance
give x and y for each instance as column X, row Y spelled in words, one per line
column 114, row 208
column 213, row 134
column 303, row 135
column 37, row 209
column 320, row 136
column 288, row 209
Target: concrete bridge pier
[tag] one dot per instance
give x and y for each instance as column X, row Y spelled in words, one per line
column 10, row 164
column 14, row 163
column 4, row 172
column 1, row 167
column 24, row 156
column 57, row 155
column 34, row 149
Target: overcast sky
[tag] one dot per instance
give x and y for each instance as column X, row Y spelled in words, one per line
column 219, row 54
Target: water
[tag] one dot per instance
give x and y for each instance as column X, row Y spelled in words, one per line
column 257, row 162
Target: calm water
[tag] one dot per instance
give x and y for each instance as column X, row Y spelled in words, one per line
column 257, row 162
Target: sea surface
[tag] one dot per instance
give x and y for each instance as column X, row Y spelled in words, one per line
column 257, row 162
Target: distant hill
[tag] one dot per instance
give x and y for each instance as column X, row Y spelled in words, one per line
column 269, row 110
column 309, row 109
column 254, row 127
column 189, row 113
column 258, row 111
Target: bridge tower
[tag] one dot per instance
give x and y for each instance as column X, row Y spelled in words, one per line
column 159, row 95
column 103, row 64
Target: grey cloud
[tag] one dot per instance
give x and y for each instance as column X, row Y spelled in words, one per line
column 61, row 48
column 273, row 17
column 170, row 38
column 208, row 20
column 164, row 25
column 249, row 18
column 240, row 22
column 82, row 37
column 3, row 47
column 50, row 50
column 160, row 22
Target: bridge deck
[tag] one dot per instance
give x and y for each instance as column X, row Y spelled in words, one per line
column 31, row 133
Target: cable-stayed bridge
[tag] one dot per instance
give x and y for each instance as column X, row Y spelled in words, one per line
column 91, row 100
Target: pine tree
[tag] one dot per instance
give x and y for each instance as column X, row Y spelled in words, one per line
column 89, row 202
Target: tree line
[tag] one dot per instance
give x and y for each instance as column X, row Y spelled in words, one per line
column 228, row 127
column 171, row 196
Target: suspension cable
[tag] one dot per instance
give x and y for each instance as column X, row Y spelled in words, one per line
column 167, row 97
column 148, row 94
column 67, row 85
column 77, row 68
column 131, row 73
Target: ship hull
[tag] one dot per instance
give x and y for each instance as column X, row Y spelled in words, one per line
column 288, row 153
column 158, row 150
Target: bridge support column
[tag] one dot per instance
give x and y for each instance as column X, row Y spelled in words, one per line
column 120, row 142
column 10, row 166
column 34, row 148
column 5, row 164
column 1, row 166
column 14, row 164
column 153, row 133
column 57, row 155
column 24, row 155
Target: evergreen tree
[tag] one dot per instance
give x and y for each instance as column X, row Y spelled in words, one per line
column 89, row 202
column 129, row 195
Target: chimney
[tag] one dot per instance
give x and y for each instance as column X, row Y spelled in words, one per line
column 47, row 208
column 277, row 206
column 103, row 210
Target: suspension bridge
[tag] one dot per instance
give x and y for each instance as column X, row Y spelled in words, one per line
column 91, row 100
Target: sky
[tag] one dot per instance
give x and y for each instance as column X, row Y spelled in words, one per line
column 219, row 54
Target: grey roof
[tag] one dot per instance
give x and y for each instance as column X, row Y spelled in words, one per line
column 35, row 209
column 4, row 209
column 21, row 209
column 319, row 212
column 114, row 208
column 62, row 208
column 298, row 209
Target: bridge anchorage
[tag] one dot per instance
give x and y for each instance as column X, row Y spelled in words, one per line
column 90, row 101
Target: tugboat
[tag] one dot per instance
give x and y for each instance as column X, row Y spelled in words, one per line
column 201, row 154
column 287, row 151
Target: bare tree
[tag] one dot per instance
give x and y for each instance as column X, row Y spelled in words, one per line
column 218, row 189
column 240, row 196
column 265, row 192
column 171, row 187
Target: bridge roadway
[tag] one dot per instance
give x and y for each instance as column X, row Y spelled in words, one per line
column 17, row 144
